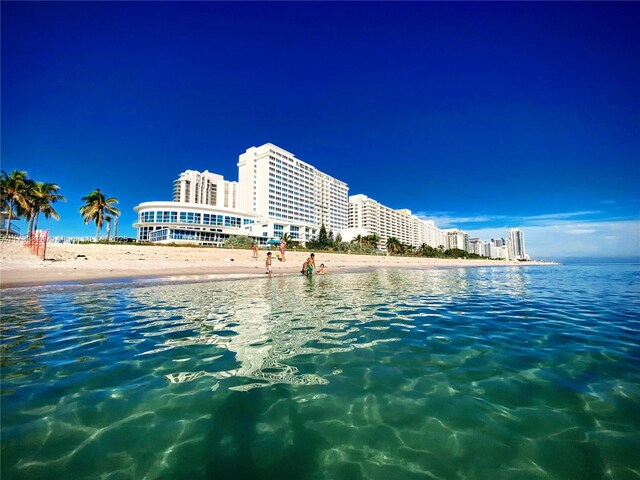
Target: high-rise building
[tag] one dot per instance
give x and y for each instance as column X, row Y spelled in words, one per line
column 457, row 239
column 517, row 248
column 205, row 188
column 275, row 184
column 366, row 216
column 331, row 202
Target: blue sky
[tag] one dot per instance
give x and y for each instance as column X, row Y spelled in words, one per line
column 481, row 116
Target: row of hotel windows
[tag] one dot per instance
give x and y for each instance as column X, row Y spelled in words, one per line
column 294, row 175
column 192, row 217
column 171, row 234
column 284, row 216
column 302, row 166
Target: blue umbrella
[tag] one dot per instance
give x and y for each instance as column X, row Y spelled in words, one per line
column 274, row 241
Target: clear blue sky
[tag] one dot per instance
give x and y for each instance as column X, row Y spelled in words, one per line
column 482, row 116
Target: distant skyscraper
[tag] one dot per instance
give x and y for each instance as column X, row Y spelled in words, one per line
column 516, row 244
column 457, row 239
column 205, row 188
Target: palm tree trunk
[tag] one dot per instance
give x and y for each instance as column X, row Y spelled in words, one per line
column 97, row 233
column 32, row 217
column 108, row 229
column 10, row 217
column 115, row 227
column 35, row 227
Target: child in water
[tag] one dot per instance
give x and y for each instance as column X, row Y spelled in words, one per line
column 309, row 265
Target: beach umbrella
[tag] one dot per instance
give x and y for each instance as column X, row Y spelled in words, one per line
column 274, row 241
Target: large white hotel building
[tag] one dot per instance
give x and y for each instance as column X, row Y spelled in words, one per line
column 366, row 217
column 276, row 194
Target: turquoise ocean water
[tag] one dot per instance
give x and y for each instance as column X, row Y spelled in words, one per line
column 478, row 373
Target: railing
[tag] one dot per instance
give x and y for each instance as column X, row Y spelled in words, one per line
column 37, row 243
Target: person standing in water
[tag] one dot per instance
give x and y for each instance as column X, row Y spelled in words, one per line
column 309, row 266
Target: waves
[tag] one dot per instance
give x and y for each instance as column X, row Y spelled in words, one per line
column 459, row 373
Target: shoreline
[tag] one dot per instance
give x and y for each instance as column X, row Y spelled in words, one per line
column 91, row 263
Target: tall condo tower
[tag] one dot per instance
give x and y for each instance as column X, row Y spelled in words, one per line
column 205, row 188
column 274, row 183
column 516, row 237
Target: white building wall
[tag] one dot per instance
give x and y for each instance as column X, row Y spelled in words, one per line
column 365, row 213
column 275, row 184
column 204, row 188
column 516, row 238
column 456, row 239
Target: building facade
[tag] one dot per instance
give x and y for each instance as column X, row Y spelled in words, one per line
column 517, row 248
column 179, row 222
column 365, row 214
column 275, row 184
column 205, row 188
column 278, row 194
column 457, row 239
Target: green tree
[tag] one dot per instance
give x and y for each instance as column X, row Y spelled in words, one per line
column 394, row 246
column 427, row 251
column 96, row 207
column 372, row 240
column 14, row 193
column 42, row 197
column 323, row 237
column 238, row 241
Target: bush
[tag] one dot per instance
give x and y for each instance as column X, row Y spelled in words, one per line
column 238, row 241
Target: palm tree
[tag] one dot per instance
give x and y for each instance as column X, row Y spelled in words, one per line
column 108, row 220
column 373, row 240
column 48, row 193
column 14, row 192
column 394, row 245
column 41, row 196
column 96, row 207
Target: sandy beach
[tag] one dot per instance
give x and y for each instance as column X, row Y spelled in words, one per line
column 91, row 262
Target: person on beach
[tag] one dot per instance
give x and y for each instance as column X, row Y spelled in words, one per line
column 254, row 248
column 283, row 246
column 321, row 270
column 268, row 264
column 309, row 265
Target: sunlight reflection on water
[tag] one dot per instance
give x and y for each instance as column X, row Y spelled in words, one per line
column 453, row 373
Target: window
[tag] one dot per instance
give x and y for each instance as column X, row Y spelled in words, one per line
column 147, row 217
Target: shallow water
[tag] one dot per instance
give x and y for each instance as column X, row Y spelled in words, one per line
column 483, row 373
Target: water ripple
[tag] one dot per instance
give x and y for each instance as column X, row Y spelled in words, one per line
column 453, row 373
